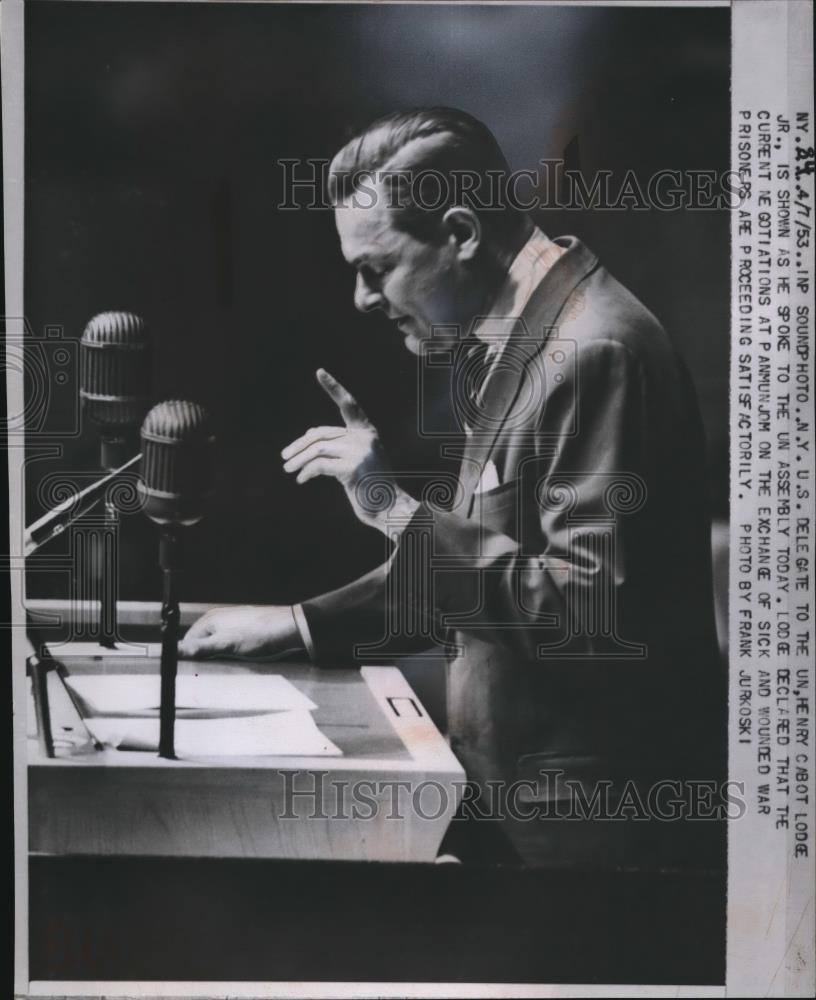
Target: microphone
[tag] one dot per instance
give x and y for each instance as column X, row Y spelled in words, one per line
column 114, row 387
column 115, row 363
column 177, row 444
column 176, row 463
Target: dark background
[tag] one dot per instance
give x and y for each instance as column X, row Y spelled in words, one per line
column 152, row 135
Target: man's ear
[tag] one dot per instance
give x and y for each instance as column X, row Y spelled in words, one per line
column 465, row 230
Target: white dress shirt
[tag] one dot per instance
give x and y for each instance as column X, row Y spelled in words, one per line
column 529, row 266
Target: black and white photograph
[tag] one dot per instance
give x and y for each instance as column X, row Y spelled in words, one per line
column 411, row 492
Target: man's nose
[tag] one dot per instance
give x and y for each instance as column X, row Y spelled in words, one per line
column 366, row 298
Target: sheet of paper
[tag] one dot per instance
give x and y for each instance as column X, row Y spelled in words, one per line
column 139, row 694
column 66, row 650
column 281, row 734
column 151, row 650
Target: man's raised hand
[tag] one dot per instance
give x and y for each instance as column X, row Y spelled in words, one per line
column 351, row 453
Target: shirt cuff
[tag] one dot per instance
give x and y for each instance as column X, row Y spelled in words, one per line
column 303, row 629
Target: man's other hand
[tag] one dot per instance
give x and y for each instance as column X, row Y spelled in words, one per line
column 248, row 632
column 352, row 454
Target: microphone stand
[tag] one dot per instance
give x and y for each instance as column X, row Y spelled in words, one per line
column 65, row 514
column 108, row 596
column 39, row 663
column 114, row 449
column 76, row 506
column 37, row 669
column 169, row 550
column 176, row 442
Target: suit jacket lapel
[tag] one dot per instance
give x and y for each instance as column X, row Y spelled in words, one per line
column 526, row 340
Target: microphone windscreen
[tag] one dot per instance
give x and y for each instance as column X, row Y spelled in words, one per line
column 115, row 363
column 177, row 443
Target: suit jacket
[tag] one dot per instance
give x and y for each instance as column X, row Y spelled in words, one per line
column 576, row 596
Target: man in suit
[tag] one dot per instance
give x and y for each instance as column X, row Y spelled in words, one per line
column 569, row 573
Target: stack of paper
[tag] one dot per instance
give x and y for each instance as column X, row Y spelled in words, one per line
column 140, row 694
column 216, row 715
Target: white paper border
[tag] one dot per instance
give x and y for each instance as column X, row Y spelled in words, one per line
column 760, row 930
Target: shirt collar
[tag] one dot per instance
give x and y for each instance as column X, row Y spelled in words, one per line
column 529, row 266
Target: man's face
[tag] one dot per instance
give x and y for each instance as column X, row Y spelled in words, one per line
column 416, row 284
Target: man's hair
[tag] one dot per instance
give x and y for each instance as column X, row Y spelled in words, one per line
column 427, row 160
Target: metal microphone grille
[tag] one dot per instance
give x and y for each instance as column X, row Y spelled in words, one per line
column 177, row 445
column 115, row 362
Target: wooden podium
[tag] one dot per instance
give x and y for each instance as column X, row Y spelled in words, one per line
column 389, row 795
column 149, row 870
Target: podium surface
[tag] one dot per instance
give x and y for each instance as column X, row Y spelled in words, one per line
column 388, row 794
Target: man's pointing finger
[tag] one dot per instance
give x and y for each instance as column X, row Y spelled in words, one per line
column 350, row 409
